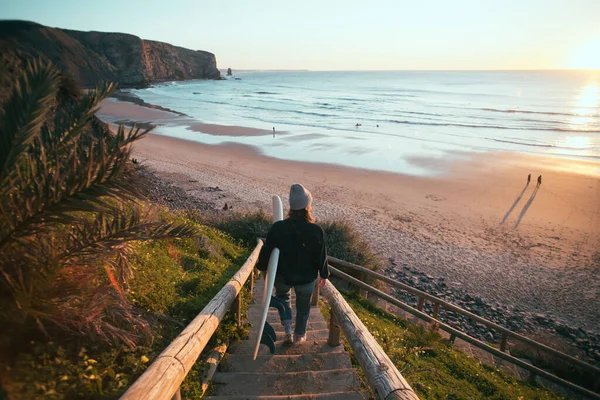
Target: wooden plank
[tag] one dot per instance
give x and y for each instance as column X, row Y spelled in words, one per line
column 288, row 363
column 583, row 365
column 382, row 374
column 353, row 395
column 164, row 376
column 307, row 347
column 467, row 338
column 285, row 383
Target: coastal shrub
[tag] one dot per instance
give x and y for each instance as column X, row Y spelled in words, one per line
column 69, row 213
column 346, row 243
column 430, row 364
column 173, row 281
column 245, row 226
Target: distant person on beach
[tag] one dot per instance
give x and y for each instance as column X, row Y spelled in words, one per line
column 539, row 181
column 357, row 125
column 273, row 131
column 528, row 179
column 302, row 261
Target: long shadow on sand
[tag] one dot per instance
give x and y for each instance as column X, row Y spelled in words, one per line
column 519, row 197
column 524, row 210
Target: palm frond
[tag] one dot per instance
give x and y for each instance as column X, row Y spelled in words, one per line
column 71, row 120
column 25, row 112
column 88, row 180
column 69, row 213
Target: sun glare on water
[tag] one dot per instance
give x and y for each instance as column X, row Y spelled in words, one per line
column 587, row 56
column 586, row 104
column 577, row 142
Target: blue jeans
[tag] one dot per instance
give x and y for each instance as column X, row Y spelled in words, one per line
column 303, row 296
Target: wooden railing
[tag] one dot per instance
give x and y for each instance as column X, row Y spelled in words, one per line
column 382, row 374
column 163, row 377
column 454, row 333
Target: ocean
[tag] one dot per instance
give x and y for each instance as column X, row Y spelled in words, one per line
column 405, row 117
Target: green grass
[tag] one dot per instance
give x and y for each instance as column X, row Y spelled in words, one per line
column 173, row 281
column 433, row 368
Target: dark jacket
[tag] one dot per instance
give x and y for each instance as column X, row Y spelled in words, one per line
column 303, row 255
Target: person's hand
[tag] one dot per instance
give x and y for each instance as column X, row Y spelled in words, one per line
column 321, row 282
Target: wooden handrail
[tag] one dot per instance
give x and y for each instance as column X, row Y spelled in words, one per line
column 164, row 376
column 462, row 335
column 582, row 364
column 382, row 374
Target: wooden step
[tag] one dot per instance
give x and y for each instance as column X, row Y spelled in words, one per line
column 273, row 315
column 308, row 382
column 321, row 334
column 311, row 326
column 308, row 347
column 286, row 363
column 354, row 395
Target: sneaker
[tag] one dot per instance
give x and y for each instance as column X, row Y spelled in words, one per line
column 300, row 338
column 289, row 338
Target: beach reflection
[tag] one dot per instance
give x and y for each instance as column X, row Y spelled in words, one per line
column 588, row 100
column 586, row 106
column 585, row 118
column 578, row 142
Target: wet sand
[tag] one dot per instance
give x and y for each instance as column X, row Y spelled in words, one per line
column 125, row 112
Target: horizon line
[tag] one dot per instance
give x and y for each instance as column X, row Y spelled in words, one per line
column 407, row 70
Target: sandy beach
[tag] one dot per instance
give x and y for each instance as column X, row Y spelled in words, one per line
column 478, row 228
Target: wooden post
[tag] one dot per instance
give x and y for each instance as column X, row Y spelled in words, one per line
column 532, row 376
column 452, row 338
column 236, row 307
column 360, row 277
column 252, row 283
column 421, row 303
column 177, row 395
column 363, row 292
column 334, row 331
column 436, row 310
column 210, row 365
column 315, row 295
column 503, row 342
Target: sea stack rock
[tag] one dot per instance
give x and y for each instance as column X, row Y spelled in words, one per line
column 229, row 72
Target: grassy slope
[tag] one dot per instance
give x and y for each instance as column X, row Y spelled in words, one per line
column 431, row 365
column 173, row 281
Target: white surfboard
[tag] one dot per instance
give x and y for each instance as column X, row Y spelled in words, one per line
column 269, row 281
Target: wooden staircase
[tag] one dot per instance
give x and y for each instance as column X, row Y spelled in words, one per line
column 308, row 370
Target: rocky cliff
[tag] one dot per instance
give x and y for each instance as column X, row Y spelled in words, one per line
column 90, row 57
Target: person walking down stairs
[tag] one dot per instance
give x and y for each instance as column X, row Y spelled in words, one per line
column 302, row 260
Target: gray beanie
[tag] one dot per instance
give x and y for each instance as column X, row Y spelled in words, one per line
column 299, row 197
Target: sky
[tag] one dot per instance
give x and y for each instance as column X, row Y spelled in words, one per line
column 348, row 34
